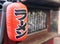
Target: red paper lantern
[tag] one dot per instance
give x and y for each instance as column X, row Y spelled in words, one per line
column 17, row 21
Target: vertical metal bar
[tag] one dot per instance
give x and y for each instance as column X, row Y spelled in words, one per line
column 39, row 20
column 36, row 20
column 43, row 20
column 33, row 20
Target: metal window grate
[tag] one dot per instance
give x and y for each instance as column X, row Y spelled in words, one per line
column 37, row 21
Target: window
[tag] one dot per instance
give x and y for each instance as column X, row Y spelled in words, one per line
column 37, row 20
column 54, row 21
